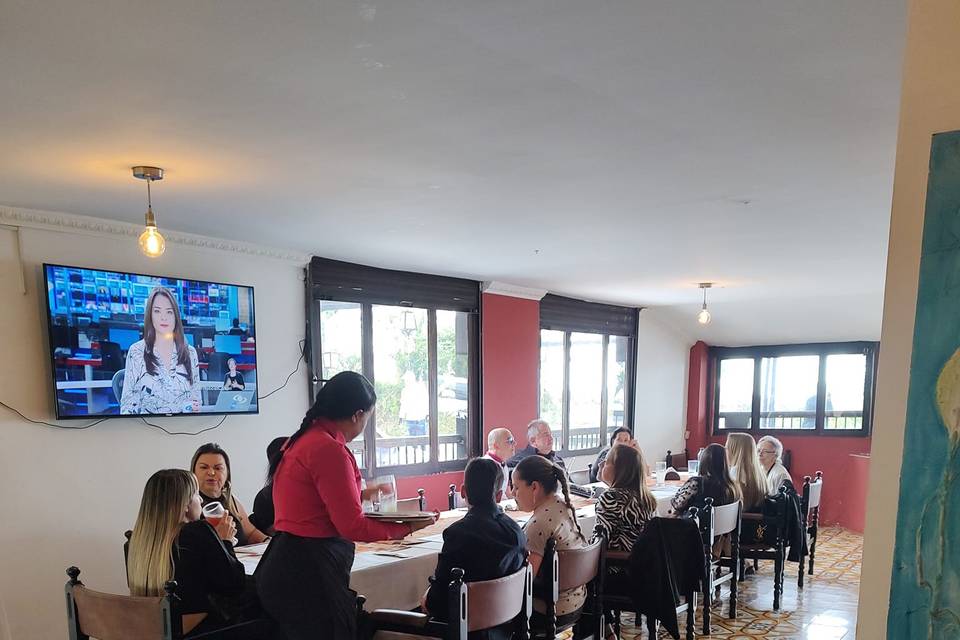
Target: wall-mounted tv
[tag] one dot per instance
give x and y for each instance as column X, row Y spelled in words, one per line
column 128, row 344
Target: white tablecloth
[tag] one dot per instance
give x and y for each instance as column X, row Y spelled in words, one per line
column 396, row 578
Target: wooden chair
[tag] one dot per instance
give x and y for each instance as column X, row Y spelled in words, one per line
column 764, row 537
column 126, row 548
column 454, row 499
column 810, row 517
column 714, row 522
column 621, row 602
column 472, row 606
column 569, row 569
column 413, row 504
column 677, row 460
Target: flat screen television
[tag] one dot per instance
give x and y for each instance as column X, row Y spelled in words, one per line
column 128, row 344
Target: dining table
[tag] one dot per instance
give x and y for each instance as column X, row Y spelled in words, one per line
column 393, row 574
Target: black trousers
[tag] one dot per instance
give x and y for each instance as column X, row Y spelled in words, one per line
column 304, row 585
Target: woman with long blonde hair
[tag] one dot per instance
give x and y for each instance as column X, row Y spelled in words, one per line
column 746, row 469
column 170, row 542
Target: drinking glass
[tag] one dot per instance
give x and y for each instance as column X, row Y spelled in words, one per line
column 661, row 472
column 385, row 500
column 214, row 513
column 693, row 466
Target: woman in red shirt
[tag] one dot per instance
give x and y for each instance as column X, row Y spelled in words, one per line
column 304, row 577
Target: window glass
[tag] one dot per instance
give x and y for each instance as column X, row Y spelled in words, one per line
column 617, row 352
column 845, row 375
column 400, row 370
column 551, row 384
column 453, row 368
column 788, row 392
column 341, row 345
column 736, row 393
column 586, row 390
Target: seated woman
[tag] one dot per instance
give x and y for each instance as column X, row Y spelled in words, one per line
column 170, row 542
column 536, row 481
column 263, row 512
column 746, row 470
column 624, row 509
column 621, row 436
column 714, row 482
column 211, row 465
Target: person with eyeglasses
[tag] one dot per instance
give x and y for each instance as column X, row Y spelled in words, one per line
column 501, row 446
column 770, row 452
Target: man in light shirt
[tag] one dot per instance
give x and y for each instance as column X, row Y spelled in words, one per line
column 500, row 447
column 770, row 451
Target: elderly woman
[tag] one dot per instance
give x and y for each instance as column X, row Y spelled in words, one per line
column 211, row 465
column 770, row 451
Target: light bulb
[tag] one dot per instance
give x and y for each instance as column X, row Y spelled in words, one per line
column 704, row 316
column 152, row 243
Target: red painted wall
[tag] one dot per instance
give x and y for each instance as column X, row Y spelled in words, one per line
column 510, row 349
column 845, row 476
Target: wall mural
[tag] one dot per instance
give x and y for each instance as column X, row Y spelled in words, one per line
column 925, row 590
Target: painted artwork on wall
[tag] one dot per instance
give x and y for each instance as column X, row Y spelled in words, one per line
column 925, row 590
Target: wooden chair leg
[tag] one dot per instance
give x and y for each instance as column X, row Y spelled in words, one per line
column 778, row 577
column 691, row 615
column 813, row 549
column 651, row 627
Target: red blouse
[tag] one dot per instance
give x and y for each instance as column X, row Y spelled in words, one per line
column 316, row 491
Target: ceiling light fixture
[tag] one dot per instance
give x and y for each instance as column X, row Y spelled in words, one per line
column 704, row 316
column 152, row 243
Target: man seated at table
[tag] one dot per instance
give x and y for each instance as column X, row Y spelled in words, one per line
column 541, row 443
column 486, row 543
column 500, row 447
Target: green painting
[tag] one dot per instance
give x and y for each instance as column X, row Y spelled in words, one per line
column 925, row 590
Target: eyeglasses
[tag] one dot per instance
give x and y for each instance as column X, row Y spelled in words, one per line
column 766, row 452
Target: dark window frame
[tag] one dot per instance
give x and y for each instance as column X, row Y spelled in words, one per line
column 822, row 349
column 569, row 315
column 332, row 280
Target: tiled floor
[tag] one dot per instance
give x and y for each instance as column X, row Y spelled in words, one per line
column 826, row 608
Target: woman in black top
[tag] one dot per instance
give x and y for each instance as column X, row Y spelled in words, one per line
column 714, row 482
column 233, row 381
column 621, row 435
column 170, row 542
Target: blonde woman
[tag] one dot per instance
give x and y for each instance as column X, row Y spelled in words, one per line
column 746, row 469
column 170, row 542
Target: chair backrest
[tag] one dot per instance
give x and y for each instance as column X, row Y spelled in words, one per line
column 580, row 477
column 677, row 460
column 812, row 492
column 126, row 548
column 111, row 356
column 671, row 474
column 107, row 616
column 454, row 499
column 117, row 384
column 577, row 567
column 494, row 602
column 726, row 518
column 413, row 504
column 217, row 365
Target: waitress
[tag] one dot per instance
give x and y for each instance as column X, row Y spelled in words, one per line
column 304, row 577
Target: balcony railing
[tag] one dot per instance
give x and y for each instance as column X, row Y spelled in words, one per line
column 392, row 452
column 794, row 420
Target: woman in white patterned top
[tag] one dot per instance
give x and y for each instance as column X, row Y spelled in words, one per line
column 536, row 481
column 162, row 372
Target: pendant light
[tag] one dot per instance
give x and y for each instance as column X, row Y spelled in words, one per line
column 704, row 316
column 152, row 243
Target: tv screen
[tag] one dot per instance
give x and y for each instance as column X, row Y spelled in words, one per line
column 125, row 344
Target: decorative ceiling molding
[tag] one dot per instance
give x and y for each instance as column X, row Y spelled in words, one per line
column 505, row 289
column 87, row 225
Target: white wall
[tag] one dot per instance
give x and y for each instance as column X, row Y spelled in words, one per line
column 68, row 496
column 930, row 103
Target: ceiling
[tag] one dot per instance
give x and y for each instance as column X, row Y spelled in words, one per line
column 618, row 151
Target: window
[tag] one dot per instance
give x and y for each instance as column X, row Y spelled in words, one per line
column 416, row 338
column 820, row 388
column 587, row 362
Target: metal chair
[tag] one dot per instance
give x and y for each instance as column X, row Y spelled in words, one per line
column 472, row 606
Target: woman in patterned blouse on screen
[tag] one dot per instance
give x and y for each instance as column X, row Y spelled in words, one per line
column 162, row 372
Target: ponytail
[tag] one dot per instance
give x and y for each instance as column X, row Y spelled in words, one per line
column 550, row 476
column 561, row 476
column 340, row 397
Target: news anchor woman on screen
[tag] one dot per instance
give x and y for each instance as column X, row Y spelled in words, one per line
column 304, row 576
column 162, row 373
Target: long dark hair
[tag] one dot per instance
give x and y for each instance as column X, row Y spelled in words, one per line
column 342, row 396
column 550, row 476
column 618, row 431
column 150, row 360
column 715, row 475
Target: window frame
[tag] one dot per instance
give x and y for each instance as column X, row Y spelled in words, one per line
column 330, row 280
column 822, row 350
column 570, row 316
